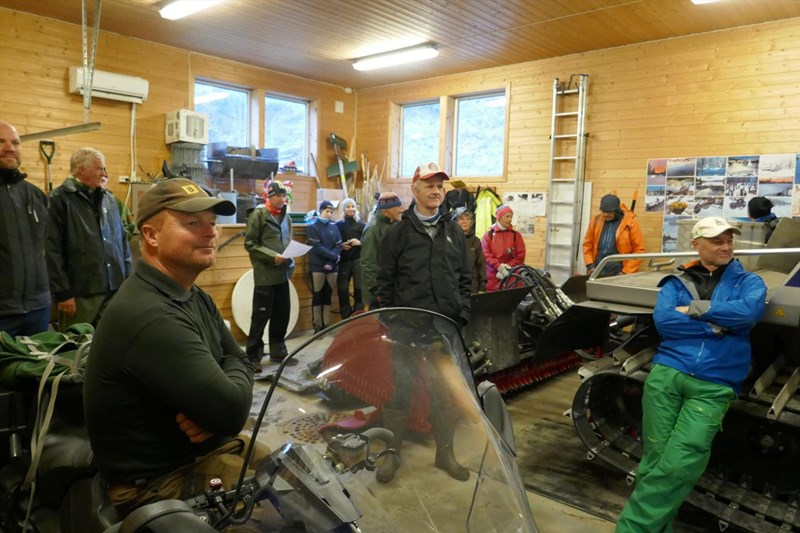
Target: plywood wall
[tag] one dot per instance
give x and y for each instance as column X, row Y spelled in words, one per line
column 721, row 93
column 34, row 61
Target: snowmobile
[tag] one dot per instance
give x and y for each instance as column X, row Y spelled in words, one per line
column 321, row 473
column 752, row 480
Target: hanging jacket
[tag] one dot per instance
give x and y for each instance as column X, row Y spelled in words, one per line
column 712, row 342
column 87, row 249
column 501, row 246
column 486, row 203
column 629, row 240
column 266, row 237
column 23, row 270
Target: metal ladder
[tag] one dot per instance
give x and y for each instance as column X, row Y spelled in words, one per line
column 565, row 192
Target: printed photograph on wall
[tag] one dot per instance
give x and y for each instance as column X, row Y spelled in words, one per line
column 679, row 205
column 711, row 166
column 656, row 172
column 709, row 186
column 742, row 165
column 680, row 166
column 654, row 203
column 709, row 207
column 736, row 207
column 741, row 186
column 796, row 201
column 526, row 206
column 776, row 174
column 781, row 205
column 680, row 187
column 669, row 236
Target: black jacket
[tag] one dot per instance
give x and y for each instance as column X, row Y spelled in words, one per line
column 350, row 228
column 23, row 272
column 87, row 249
column 419, row 271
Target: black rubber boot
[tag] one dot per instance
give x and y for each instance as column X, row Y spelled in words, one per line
column 278, row 352
column 396, row 421
column 443, row 431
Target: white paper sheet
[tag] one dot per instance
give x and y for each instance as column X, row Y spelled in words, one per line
column 295, row 249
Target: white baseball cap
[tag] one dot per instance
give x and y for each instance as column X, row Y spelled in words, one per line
column 711, row 227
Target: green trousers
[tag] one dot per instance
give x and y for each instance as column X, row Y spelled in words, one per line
column 681, row 416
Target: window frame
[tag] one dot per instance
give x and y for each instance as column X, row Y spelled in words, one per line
column 248, row 91
column 448, row 124
column 310, row 111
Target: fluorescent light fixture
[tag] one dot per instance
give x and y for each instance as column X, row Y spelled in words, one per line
column 184, row 8
column 397, row 57
column 700, row 2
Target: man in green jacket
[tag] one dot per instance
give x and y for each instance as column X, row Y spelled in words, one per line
column 269, row 232
column 388, row 209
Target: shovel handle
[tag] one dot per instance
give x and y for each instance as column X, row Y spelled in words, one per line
column 47, row 148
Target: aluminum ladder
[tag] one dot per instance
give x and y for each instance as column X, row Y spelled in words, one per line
column 565, row 191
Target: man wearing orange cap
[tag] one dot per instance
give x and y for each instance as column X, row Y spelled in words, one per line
column 423, row 263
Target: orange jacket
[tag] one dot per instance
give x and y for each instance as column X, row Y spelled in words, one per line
column 629, row 240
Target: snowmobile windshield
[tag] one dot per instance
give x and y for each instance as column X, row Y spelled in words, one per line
column 392, row 384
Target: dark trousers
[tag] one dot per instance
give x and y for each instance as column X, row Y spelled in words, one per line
column 270, row 304
column 349, row 270
column 29, row 323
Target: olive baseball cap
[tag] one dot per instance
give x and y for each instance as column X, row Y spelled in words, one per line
column 179, row 194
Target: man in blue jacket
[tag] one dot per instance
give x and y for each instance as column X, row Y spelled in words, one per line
column 88, row 256
column 704, row 316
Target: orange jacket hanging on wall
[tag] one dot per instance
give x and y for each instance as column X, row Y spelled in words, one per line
column 629, row 240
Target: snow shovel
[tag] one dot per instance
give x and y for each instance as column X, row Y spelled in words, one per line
column 343, row 166
column 48, row 149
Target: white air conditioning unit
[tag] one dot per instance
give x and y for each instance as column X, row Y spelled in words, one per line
column 186, row 126
column 111, row 86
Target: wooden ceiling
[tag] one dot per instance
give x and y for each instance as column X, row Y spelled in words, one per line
column 317, row 39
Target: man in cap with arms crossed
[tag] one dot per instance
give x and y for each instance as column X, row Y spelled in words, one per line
column 167, row 387
column 704, row 315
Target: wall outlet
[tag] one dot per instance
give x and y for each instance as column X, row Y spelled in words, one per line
column 124, row 179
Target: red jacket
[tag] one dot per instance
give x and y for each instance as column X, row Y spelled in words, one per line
column 629, row 240
column 501, row 246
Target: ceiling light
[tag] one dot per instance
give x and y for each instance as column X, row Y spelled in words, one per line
column 184, row 8
column 700, row 2
column 396, row 57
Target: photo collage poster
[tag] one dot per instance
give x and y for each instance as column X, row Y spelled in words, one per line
column 719, row 186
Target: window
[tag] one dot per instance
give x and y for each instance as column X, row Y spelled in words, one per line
column 475, row 128
column 419, row 136
column 286, row 128
column 480, row 135
column 227, row 110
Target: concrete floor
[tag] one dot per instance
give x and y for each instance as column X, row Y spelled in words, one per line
column 551, row 396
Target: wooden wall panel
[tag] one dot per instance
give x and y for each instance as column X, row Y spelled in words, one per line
column 34, row 63
column 721, row 93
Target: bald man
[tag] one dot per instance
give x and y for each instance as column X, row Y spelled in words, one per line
column 24, row 290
